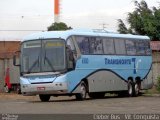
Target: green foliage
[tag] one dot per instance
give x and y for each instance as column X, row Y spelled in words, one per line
column 58, row 27
column 142, row 21
column 121, row 27
column 158, row 84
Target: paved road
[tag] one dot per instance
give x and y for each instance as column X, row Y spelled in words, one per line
column 17, row 104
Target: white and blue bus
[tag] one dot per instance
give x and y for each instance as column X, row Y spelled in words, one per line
column 92, row 62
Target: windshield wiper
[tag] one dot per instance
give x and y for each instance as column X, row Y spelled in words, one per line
column 50, row 64
column 48, row 61
column 33, row 65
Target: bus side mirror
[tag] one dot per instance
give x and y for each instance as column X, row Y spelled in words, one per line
column 16, row 58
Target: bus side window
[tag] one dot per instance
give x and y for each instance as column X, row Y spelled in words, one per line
column 147, row 47
column 120, row 46
column 96, row 45
column 71, row 44
column 71, row 53
column 83, row 44
column 130, row 47
column 108, row 46
column 140, row 48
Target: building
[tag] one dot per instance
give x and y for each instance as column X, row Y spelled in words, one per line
column 7, row 50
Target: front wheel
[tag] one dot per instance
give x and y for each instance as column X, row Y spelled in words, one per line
column 44, row 98
column 83, row 92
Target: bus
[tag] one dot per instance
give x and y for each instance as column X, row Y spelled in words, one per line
column 81, row 62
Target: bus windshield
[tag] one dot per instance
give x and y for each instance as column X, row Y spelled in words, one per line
column 43, row 56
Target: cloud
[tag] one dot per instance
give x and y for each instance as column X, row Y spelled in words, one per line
column 95, row 19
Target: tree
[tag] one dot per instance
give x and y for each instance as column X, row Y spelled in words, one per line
column 142, row 21
column 121, row 27
column 58, row 26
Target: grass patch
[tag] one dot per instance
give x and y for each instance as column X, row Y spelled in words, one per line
column 155, row 89
column 158, row 84
column 152, row 91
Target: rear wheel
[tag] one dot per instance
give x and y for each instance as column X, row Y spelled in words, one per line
column 133, row 88
column 136, row 89
column 130, row 88
column 44, row 98
column 83, row 92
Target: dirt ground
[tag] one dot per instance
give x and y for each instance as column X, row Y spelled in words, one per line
column 18, row 104
column 14, row 96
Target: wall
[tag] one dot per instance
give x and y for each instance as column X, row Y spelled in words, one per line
column 1, row 75
column 7, row 50
column 156, row 65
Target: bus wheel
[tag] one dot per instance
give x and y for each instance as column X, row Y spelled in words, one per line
column 136, row 89
column 130, row 88
column 83, row 92
column 6, row 89
column 44, row 98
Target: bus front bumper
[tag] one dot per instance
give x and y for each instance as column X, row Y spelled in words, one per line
column 45, row 88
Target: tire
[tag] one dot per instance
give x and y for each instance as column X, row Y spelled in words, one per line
column 6, row 89
column 44, row 98
column 130, row 88
column 133, row 88
column 82, row 95
column 136, row 89
column 97, row 95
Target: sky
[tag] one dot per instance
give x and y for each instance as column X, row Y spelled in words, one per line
column 17, row 16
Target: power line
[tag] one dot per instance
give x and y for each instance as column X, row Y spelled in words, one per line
column 21, row 30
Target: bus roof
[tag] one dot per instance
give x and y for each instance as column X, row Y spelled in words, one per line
column 67, row 33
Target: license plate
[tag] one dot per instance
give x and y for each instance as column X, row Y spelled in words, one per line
column 40, row 88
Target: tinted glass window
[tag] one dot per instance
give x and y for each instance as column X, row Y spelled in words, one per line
column 31, row 56
column 83, row 43
column 71, row 44
column 43, row 56
column 130, row 47
column 54, row 55
column 99, row 45
column 108, row 45
column 120, row 46
column 147, row 47
column 96, row 46
column 140, row 47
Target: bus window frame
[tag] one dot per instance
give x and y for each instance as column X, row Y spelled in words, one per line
column 130, row 39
